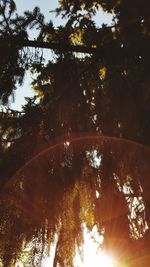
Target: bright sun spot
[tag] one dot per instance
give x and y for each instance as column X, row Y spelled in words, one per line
column 92, row 256
column 97, row 260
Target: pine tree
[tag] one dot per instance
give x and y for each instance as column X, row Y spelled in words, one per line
column 58, row 168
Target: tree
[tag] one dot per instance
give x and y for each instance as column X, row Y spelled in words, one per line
column 104, row 92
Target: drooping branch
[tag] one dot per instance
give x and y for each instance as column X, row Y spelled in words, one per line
column 103, row 52
column 60, row 47
column 107, row 51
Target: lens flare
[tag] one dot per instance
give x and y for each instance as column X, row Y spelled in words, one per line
column 92, row 254
column 101, row 259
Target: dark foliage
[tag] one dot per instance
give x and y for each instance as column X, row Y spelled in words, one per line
column 104, row 92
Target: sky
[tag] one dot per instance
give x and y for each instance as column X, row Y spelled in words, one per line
column 45, row 6
column 25, row 90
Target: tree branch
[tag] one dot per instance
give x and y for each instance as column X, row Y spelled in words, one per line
column 60, row 47
column 111, row 50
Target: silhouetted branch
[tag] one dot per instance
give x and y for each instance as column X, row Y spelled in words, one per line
column 106, row 51
column 60, row 47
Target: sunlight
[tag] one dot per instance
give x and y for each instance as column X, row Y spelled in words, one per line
column 97, row 260
column 101, row 260
column 92, row 256
column 92, row 253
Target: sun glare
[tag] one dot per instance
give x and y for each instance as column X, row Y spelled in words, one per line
column 97, row 260
column 92, row 254
column 100, row 260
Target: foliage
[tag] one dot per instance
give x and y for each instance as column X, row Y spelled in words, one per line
column 103, row 93
column 68, row 185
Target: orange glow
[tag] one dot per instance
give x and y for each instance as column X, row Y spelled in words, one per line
column 92, row 253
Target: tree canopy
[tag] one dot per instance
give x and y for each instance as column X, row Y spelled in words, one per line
column 71, row 154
